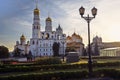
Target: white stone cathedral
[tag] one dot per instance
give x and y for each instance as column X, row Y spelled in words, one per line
column 42, row 41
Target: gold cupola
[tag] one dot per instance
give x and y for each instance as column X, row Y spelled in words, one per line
column 36, row 11
column 48, row 19
column 74, row 35
column 22, row 38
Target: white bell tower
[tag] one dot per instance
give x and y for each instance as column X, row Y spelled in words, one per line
column 36, row 23
column 48, row 27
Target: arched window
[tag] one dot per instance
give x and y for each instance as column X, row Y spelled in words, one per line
column 52, row 37
column 40, row 45
column 37, row 42
column 37, row 27
column 33, row 42
column 47, row 36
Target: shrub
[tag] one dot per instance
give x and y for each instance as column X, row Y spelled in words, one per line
column 48, row 61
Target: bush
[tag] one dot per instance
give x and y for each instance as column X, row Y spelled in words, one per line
column 48, row 61
column 66, row 75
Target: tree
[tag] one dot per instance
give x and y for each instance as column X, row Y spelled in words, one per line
column 84, row 52
column 55, row 49
column 29, row 56
column 17, row 52
column 70, row 49
column 4, row 52
column 96, row 49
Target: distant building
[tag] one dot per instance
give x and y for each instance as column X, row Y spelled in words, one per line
column 22, row 45
column 98, row 44
column 75, row 43
column 110, row 51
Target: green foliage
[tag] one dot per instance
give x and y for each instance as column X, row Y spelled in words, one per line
column 55, row 48
column 4, row 52
column 17, row 52
column 35, row 67
column 66, row 75
column 70, row 49
column 48, row 60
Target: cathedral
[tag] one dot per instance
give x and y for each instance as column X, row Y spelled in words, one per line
column 42, row 41
column 75, row 43
column 22, row 45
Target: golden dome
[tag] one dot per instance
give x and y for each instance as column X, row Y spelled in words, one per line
column 69, row 38
column 79, row 37
column 48, row 19
column 22, row 37
column 36, row 11
column 74, row 34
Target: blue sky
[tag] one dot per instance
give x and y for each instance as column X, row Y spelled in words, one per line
column 16, row 18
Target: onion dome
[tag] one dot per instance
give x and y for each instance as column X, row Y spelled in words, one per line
column 74, row 35
column 36, row 11
column 22, row 38
column 79, row 37
column 69, row 38
column 48, row 19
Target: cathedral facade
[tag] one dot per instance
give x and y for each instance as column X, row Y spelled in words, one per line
column 42, row 42
column 75, row 44
column 23, row 47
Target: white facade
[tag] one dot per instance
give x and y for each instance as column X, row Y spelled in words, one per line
column 42, row 41
column 22, row 46
column 110, row 52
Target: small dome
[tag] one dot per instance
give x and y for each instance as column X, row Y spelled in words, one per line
column 36, row 11
column 48, row 19
column 74, row 34
column 79, row 37
column 69, row 38
column 22, row 37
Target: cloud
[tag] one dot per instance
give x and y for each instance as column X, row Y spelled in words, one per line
column 17, row 18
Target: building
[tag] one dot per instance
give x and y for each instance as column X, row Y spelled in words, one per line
column 96, row 45
column 22, row 45
column 42, row 41
column 75, row 43
column 110, row 51
column 102, row 46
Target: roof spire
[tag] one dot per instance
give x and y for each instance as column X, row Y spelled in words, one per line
column 48, row 14
column 36, row 1
column 74, row 30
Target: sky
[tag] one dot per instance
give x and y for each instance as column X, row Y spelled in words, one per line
column 16, row 18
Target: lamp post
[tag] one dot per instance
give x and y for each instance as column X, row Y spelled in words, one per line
column 88, row 19
column 63, row 50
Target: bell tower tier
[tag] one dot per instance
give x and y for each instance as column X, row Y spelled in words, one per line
column 36, row 24
column 48, row 27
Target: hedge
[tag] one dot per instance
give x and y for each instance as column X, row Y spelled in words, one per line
column 65, row 75
column 48, row 61
column 6, row 69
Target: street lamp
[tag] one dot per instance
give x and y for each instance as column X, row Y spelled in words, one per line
column 88, row 19
column 63, row 50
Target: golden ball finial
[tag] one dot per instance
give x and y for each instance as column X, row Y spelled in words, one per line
column 22, row 37
column 48, row 19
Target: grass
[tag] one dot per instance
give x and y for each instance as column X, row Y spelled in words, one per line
column 98, row 60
